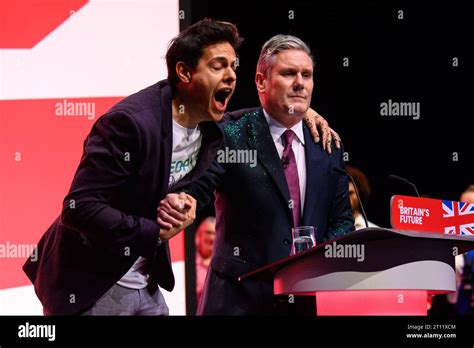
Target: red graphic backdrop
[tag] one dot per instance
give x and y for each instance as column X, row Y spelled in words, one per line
column 38, row 156
column 55, row 52
column 24, row 23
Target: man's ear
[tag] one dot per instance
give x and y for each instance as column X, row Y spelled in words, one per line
column 260, row 82
column 184, row 72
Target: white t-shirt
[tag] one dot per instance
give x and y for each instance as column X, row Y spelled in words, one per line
column 186, row 146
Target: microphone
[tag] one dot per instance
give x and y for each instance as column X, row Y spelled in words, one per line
column 404, row 181
column 343, row 172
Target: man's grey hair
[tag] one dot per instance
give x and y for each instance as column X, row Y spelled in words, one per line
column 277, row 44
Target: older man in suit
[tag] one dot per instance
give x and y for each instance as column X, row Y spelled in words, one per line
column 258, row 203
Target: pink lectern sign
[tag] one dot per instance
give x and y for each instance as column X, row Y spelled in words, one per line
column 432, row 215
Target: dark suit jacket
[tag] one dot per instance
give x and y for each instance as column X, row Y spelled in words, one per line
column 254, row 220
column 109, row 216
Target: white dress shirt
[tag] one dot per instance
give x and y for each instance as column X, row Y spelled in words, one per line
column 277, row 130
column 359, row 222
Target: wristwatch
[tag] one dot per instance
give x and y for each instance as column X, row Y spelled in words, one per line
column 159, row 241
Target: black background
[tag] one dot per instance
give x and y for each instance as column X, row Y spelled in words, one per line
column 408, row 60
column 257, row 331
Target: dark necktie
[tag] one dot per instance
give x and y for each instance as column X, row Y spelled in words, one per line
column 288, row 161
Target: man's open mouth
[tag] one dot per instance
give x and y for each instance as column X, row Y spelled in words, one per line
column 221, row 97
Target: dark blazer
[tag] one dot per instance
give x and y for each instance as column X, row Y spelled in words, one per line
column 254, row 220
column 109, row 215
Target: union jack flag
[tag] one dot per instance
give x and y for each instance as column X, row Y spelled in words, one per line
column 458, row 217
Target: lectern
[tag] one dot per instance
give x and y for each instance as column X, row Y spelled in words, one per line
column 393, row 274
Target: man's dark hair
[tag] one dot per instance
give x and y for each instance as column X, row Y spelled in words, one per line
column 189, row 45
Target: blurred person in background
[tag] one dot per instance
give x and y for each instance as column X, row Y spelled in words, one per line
column 205, row 236
column 364, row 192
column 458, row 302
column 464, row 271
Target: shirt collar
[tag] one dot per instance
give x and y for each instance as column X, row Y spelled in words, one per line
column 277, row 129
column 359, row 221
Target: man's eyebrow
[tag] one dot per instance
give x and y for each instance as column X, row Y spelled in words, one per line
column 219, row 58
column 292, row 68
